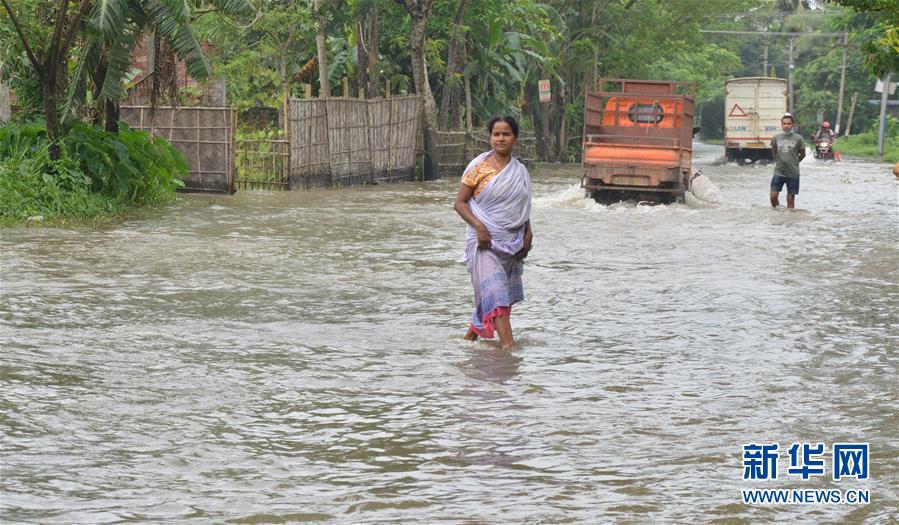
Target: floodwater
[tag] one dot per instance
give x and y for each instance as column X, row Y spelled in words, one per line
column 297, row 357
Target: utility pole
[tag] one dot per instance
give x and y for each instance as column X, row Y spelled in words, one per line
column 842, row 82
column 790, row 79
column 883, row 112
column 851, row 113
column 765, row 34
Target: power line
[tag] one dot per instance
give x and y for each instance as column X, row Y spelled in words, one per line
column 844, row 36
column 772, row 33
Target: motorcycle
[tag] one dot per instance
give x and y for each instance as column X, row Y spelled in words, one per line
column 824, row 149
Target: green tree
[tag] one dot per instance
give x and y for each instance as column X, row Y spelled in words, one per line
column 263, row 59
column 47, row 31
column 881, row 40
column 112, row 32
column 419, row 11
column 95, row 38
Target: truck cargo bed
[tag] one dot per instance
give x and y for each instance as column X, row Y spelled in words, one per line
column 638, row 139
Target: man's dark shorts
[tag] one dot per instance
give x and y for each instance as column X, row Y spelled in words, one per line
column 777, row 184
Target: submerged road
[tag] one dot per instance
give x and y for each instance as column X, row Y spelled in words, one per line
column 285, row 357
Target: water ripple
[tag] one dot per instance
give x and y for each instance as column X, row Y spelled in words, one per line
column 296, row 357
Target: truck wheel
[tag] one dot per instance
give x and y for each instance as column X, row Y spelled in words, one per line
column 741, row 162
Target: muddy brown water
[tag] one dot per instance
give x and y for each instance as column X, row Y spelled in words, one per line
column 291, row 357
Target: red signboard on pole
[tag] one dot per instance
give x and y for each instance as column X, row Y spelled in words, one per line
column 543, row 85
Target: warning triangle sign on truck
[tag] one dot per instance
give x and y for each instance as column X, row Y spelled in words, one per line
column 737, row 111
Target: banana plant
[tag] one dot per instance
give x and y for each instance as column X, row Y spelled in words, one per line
column 514, row 48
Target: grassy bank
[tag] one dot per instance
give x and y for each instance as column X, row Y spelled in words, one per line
column 865, row 144
column 860, row 145
column 100, row 175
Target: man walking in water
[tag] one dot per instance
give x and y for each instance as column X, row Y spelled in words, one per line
column 788, row 149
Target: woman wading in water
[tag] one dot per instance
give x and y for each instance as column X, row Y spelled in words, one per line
column 495, row 200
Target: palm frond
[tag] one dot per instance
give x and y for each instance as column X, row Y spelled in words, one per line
column 178, row 33
column 188, row 49
column 87, row 62
column 137, row 14
column 119, row 63
column 109, row 17
column 179, row 9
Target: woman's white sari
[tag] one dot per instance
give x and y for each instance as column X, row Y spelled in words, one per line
column 504, row 208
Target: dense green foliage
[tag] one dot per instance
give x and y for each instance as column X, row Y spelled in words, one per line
column 99, row 173
column 76, row 55
column 491, row 51
column 34, row 187
column 506, row 47
column 816, row 58
column 880, row 40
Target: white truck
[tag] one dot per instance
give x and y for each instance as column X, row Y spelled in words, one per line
column 753, row 107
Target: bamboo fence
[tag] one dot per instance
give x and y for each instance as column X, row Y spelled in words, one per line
column 454, row 150
column 345, row 142
column 457, row 148
column 405, row 115
column 204, row 135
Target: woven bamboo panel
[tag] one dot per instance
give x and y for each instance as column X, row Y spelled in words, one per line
column 453, row 152
column 457, row 148
column 346, row 142
column 405, row 117
column 526, row 149
column 310, row 163
column 204, row 135
column 379, row 129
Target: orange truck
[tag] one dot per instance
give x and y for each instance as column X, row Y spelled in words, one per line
column 638, row 140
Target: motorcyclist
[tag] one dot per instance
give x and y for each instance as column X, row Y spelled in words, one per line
column 824, row 133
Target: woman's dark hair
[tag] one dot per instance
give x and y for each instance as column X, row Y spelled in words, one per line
column 503, row 118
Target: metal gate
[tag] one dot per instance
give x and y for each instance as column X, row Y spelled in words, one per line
column 262, row 164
